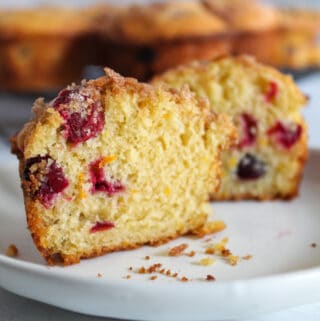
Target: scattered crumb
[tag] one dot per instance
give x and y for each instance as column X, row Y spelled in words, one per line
column 220, row 249
column 225, row 240
column 210, row 250
column 154, row 268
column 225, row 252
column 177, row 250
column 206, row 261
column 147, row 257
column 99, row 275
column 130, row 268
column 210, row 228
column 142, row 270
column 12, row 251
column 184, row 279
column 233, row 259
column 220, row 246
column 208, row 240
column 210, row 277
column 151, row 269
column 313, row 245
column 127, row 277
column 191, row 253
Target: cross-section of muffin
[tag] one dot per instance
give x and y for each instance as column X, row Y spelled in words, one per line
column 113, row 164
column 265, row 105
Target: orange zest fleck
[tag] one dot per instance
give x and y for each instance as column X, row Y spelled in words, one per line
column 107, row 160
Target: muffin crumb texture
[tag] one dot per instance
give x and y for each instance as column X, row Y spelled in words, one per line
column 93, row 174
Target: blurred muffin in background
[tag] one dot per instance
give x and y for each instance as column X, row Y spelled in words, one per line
column 293, row 44
column 45, row 48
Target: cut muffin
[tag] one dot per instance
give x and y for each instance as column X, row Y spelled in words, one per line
column 113, row 164
column 265, row 105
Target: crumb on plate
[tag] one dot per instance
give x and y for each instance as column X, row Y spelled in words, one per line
column 206, row 261
column 177, row 250
column 210, row 277
column 12, row 251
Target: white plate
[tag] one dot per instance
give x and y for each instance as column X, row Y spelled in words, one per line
column 284, row 270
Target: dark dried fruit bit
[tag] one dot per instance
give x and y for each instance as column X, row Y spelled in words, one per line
column 82, row 112
column 250, row 168
column 45, row 179
column 272, row 92
column 285, row 135
column 99, row 181
column 248, row 130
column 102, row 226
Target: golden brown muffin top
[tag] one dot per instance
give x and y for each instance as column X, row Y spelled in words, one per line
column 144, row 24
column 51, row 21
column 244, row 15
column 176, row 20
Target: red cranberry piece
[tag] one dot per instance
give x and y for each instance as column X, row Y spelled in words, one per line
column 99, row 182
column 249, row 129
column 64, row 97
column 271, row 92
column 84, row 119
column 46, row 179
column 285, row 135
column 250, row 168
column 102, row 226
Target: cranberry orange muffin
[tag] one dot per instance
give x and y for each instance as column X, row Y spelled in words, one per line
column 113, row 164
column 265, row 105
